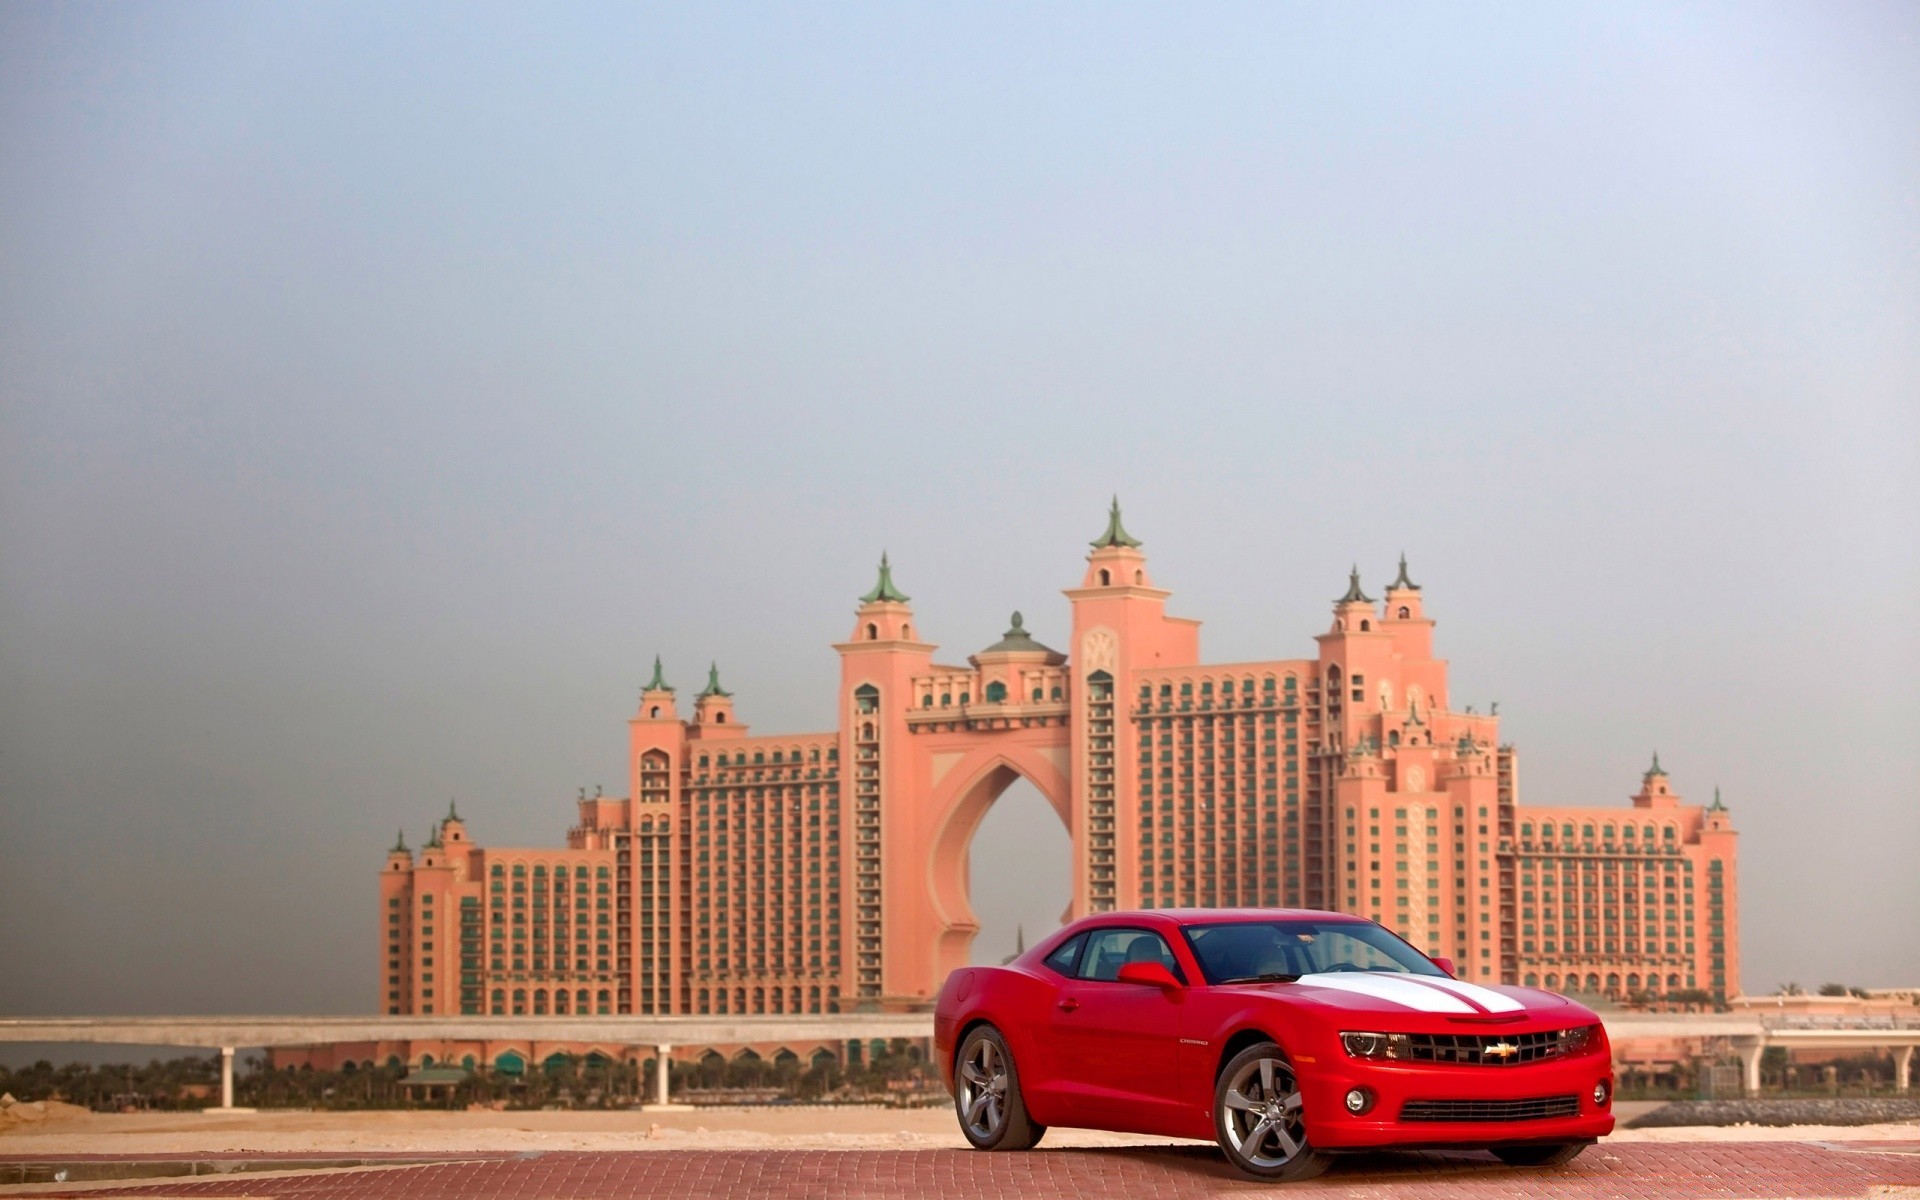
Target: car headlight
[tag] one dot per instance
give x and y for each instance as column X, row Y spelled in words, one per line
column 1378, row 1045
column 1573, row 1041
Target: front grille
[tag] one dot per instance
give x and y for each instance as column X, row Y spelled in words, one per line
column 1510, row 1049
column 1538, row 1109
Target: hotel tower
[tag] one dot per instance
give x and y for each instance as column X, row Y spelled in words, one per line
column 827, row 872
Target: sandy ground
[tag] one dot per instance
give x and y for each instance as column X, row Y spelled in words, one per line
column 796, row 1127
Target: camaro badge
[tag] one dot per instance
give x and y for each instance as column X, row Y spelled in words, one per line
column 1501, row 1050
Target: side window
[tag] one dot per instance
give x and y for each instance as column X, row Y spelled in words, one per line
column 1067, row 956
column 1109, row 949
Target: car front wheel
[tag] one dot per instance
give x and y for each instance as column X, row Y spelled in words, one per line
column 1259, row 1117
column 986, row 1094
column 1551, row 1154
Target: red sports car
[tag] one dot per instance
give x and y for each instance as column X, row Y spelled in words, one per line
column 1285, row 1035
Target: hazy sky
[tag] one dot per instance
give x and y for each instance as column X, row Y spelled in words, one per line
column 381, row 387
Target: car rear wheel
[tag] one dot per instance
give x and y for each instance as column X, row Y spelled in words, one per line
column 1259, row 1117
column 986, row 1095
column 1552, row 1154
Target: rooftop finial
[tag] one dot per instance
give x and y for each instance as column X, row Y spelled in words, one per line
column 433, row 838
column 453, row 814
column 1116, row 534
column 1655, row 768
column 713, row 687
column 659, row 681
column 1354, row 594
column 883, row 589
column 1716, row 806
column 1401, row 582
column 400, row 843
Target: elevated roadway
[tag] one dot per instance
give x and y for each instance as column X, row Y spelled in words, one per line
column 1747, row 1035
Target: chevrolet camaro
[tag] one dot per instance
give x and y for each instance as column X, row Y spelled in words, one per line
column 1285, row 1035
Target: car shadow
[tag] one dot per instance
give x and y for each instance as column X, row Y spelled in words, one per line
column 1372, row 1165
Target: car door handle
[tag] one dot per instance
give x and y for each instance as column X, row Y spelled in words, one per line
column 1069, row 1004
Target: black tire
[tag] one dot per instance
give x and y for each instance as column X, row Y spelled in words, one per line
column 986, row 1095
column 1257, row 1118
column 1550, row 1154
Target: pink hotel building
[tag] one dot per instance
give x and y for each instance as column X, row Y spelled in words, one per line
column 824, row 872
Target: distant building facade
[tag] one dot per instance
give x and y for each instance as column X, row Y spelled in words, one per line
column 827, row 871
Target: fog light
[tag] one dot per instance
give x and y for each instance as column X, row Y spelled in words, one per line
column 1600, row 1091
column 1359, row 1100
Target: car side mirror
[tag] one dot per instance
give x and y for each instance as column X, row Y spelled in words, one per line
column 1445, row 964
column 1151, row 973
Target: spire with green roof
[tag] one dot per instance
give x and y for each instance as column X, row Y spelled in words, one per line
column 713, row 687
column 1655, row 769
column 1401, row 582
column 453, row 814
column 433, row 838
column 1116, row 534
column 1017, row 640
column 1716, row 806
column 883, row 589
column 400, row 844
column 1354, row 594
column 659, row 681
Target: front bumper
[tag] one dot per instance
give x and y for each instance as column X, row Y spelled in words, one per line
column 1330, row 1126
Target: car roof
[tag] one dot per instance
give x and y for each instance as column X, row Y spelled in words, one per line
column 1211, row 916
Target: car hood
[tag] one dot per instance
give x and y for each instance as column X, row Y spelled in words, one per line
column 1363, row 991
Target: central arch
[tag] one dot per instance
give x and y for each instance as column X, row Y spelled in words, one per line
column 959, row 801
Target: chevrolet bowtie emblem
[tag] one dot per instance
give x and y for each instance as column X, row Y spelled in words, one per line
column 1501, row 1050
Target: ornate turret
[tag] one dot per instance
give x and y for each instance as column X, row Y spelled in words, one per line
column 1654, row 792
column 1401, row 582
column 1116, row 560
column 883, row 615
column 452, row 828
column 714, row 705
column 1718, row 819
column 1403, row 600
column 657, row 698
column 883, row 590
column 400, row 858
column 1116, row 534
column 1354, row 594
column 1353, row 612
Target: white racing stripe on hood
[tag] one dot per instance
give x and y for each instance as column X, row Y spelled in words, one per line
column 1404, row 992
column 1486, row 998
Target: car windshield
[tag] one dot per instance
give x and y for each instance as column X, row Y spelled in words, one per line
column 1260, row 951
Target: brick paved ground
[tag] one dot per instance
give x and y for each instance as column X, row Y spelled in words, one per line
column 1668, row 1171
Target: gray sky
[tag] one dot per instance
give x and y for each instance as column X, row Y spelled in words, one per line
column 382, row 386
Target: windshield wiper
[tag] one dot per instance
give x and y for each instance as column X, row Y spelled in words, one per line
column 1269, row 977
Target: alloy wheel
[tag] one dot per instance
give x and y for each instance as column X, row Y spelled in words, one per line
column 1262, row 1113
column 983, row 1090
